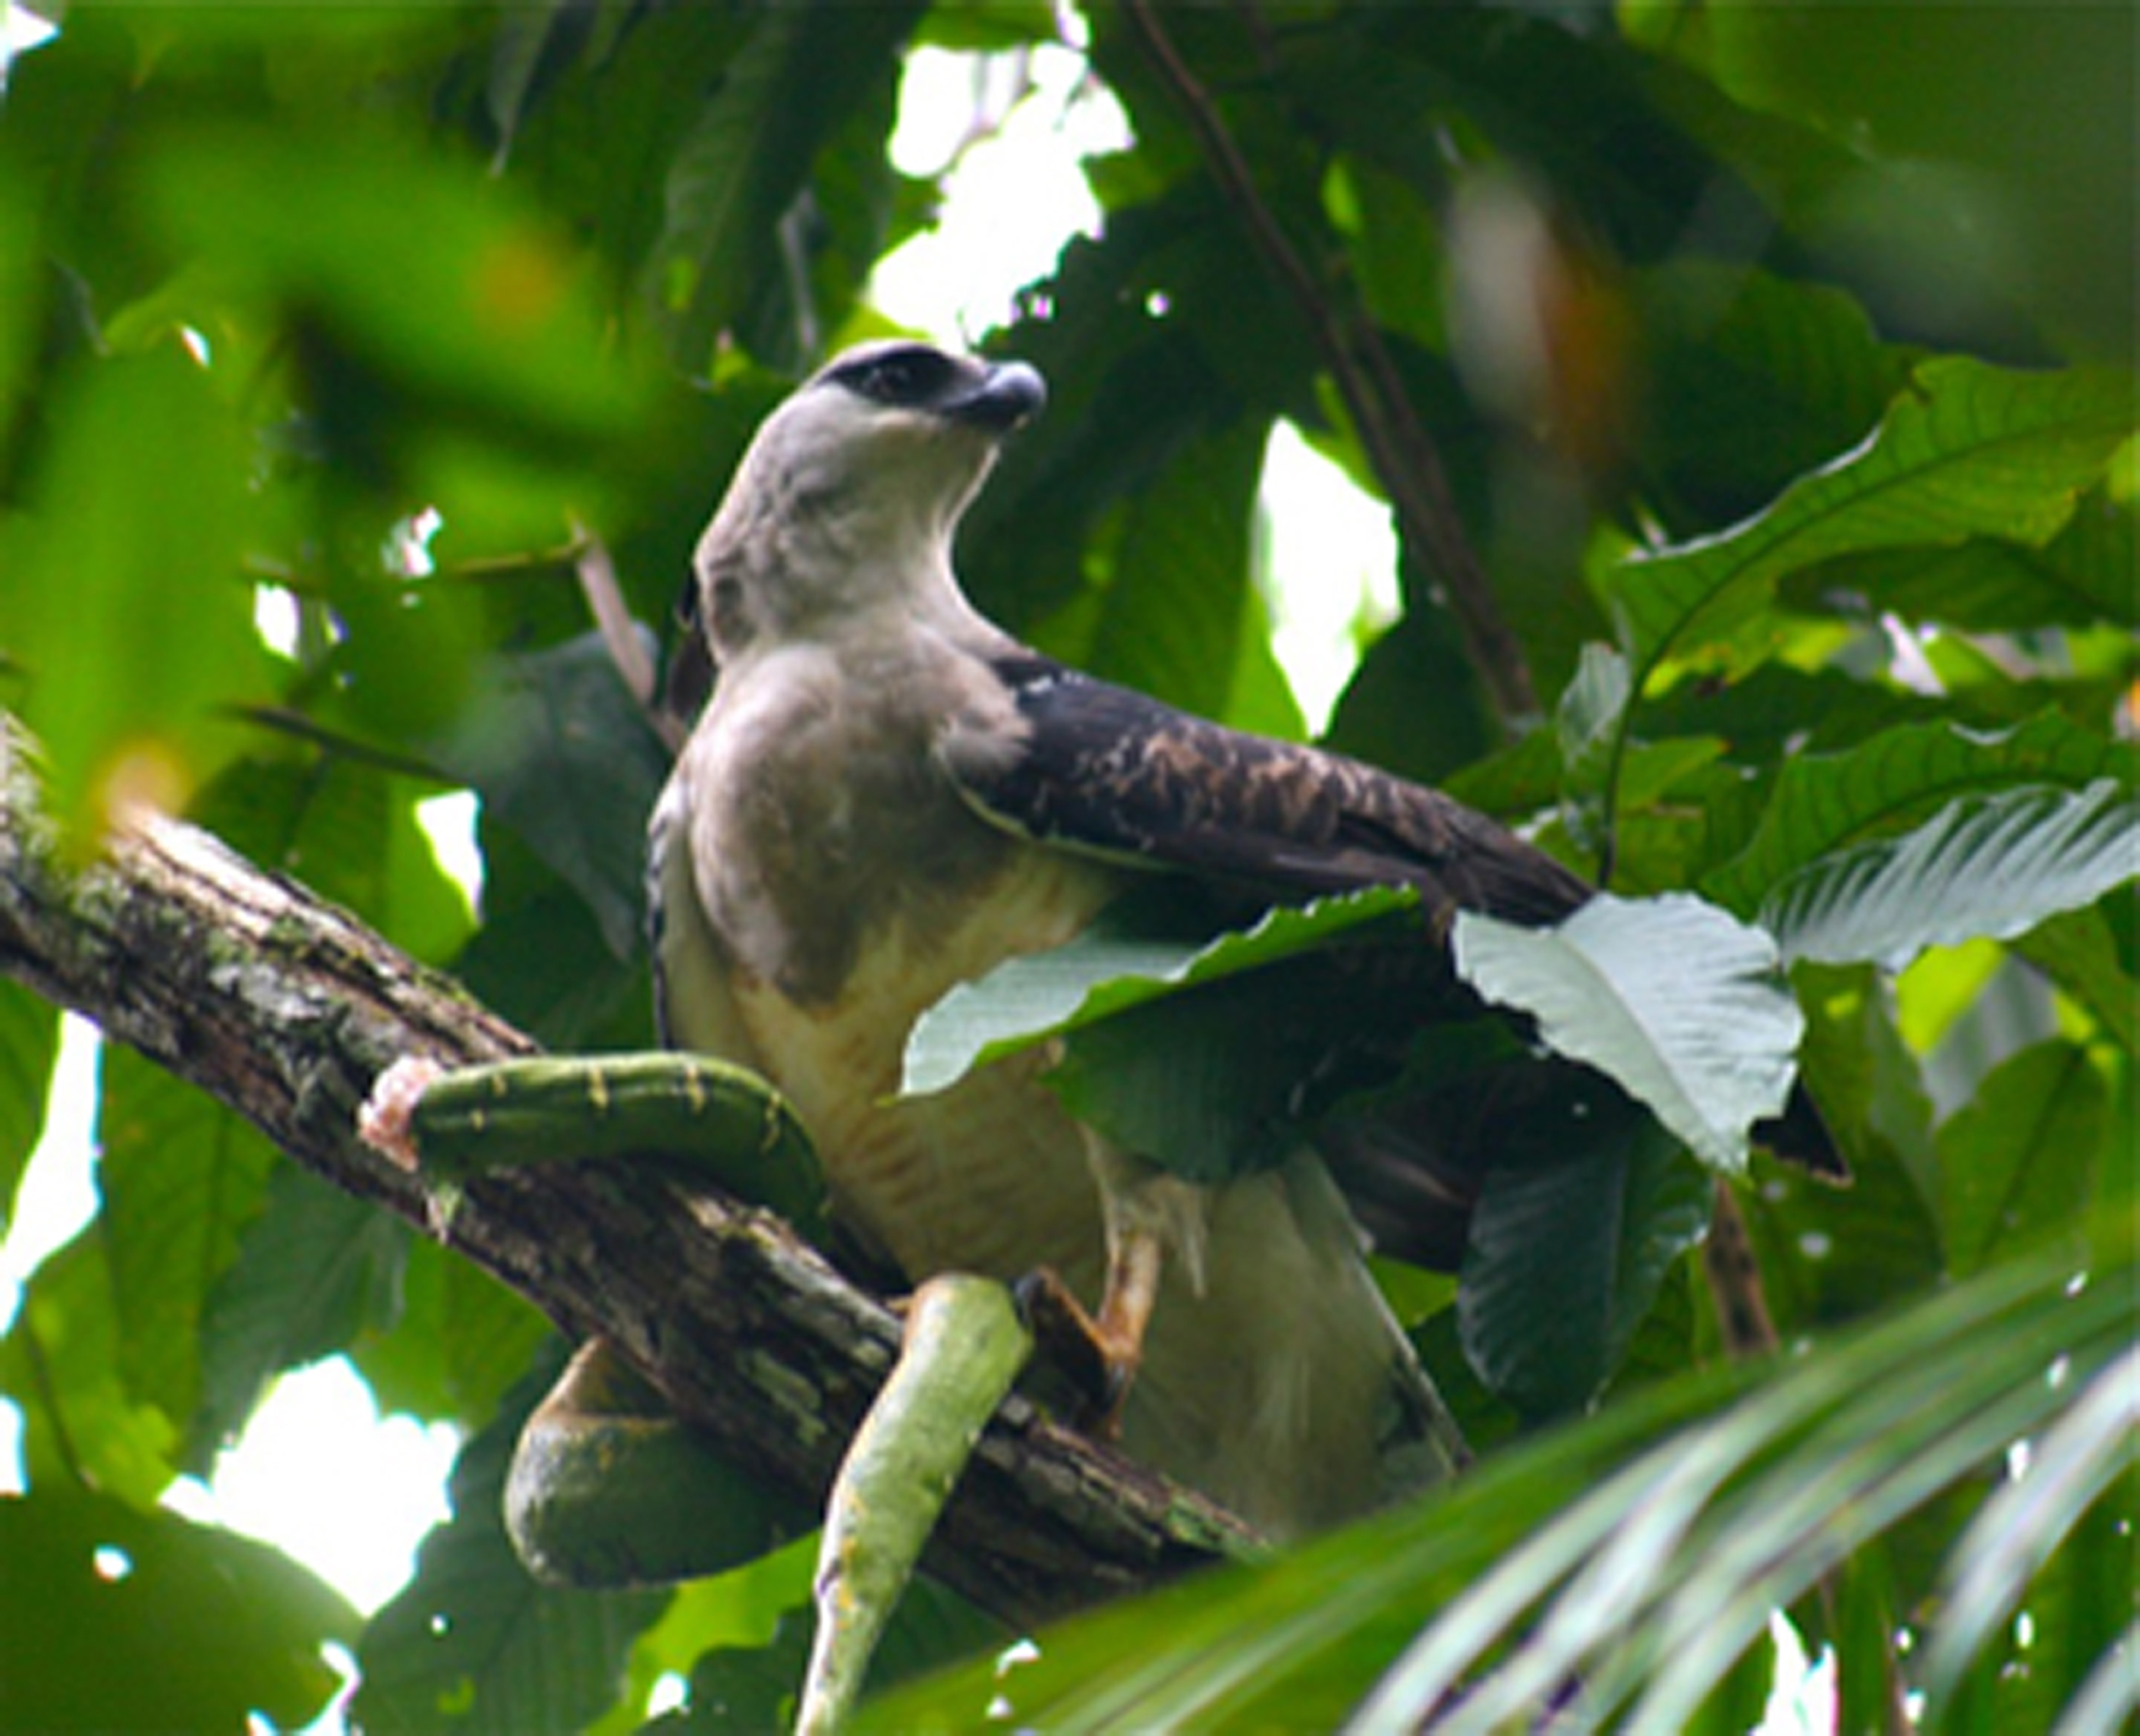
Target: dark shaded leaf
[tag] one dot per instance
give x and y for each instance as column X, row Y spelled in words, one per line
column 1587, row 1204
column 472, row 1643
column 181, row 1177
column 738, row 170
column 314, row 1269
column 2018, row 1161
column 558, row 750
column 147, row 1621
column 1753, row 380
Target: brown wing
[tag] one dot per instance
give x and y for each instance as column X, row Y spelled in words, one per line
column 1102, row 768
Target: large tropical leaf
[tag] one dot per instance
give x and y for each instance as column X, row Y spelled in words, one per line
column 1994, row 867
column 143, row 1621
column 1969, row 450
column 472, row 1642
column 1828, row 803
column 1619, row 1567
column 1670, row 996
column 1146, row 947
column 1578, row 1219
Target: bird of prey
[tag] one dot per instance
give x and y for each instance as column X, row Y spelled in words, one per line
column 886, row 796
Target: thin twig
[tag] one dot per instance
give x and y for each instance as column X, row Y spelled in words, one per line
column 1398, row 445
column 1735, row 1282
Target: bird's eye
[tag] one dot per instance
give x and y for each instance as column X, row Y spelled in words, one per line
column 899, row 377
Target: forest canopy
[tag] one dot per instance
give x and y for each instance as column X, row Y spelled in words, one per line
column 1749, row 388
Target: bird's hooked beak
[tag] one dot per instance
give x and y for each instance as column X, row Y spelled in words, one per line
column 1005, row 397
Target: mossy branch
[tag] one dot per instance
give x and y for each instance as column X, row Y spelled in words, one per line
column 286, row 1010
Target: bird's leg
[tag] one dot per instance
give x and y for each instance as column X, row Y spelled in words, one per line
column 1151, row 1216
column 1099, row 1352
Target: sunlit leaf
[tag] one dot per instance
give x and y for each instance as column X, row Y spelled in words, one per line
column 1109, row 969
column 29, row 1045
column 60, row 1365
column 1993, row 866
column 1826, row 803
column 131, row 546
column 1968, row 450
column 1670, row 996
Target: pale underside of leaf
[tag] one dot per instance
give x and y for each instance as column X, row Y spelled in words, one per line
column 1028, row 1001
column 1675, row 999
column 1990, row 867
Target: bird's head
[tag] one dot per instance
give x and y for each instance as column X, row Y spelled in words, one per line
column 850, row 492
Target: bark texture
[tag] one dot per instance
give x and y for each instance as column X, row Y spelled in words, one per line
column 286, row 1010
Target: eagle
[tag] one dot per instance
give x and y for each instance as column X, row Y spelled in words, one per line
column 885, row 796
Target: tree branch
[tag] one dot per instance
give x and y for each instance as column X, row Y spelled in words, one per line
column 1398, row 445
column 286, row 1010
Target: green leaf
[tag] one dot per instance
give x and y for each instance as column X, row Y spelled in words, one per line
column 457, row 1341
column 147, row 1621
column 1825, row 802
column 29, row 1049
column 1990, row 866
column 558, row 750
column 2070, row 1466
column 1181, row 610
column 314, row 1269
column 138, row 511
column 180, row 1176
column 739, row 169
column 1588, row 722
column 1751, row 380
column 1228, row 1076
column 2017, row 112
column 1586, row 1206
column 1987, row 584
column 472, row 1644
column 2079, row 952
column 59, row 1365
column 1670, row 997
column 1141, row 948
column 2018, row 1160
column 1969, row 450
column 541, row 958
column 446, row 290
column 1638, row 1554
